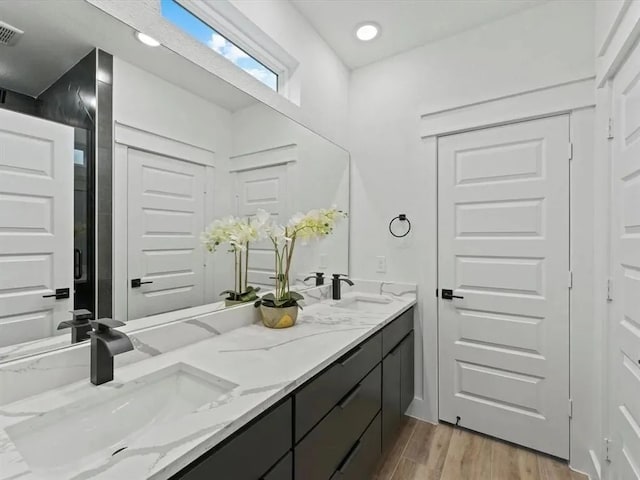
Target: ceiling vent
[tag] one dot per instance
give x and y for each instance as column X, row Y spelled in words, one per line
column 9, row 35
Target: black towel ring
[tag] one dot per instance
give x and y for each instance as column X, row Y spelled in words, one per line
column 402, row 218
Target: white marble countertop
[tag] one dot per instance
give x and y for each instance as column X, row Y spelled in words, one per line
column 265, row 364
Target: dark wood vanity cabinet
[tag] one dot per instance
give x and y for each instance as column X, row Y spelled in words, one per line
column 397, row 374
column 407, row 371
column 334, row 427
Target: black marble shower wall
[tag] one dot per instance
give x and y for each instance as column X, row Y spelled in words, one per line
column 105, row 183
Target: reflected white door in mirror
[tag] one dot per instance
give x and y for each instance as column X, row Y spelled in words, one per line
column 166, row 206
column 36, row 227
column 160, row 265
column 263, row 188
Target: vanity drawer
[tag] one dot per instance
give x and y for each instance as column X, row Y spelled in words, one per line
column 283, row 470
column 321, row 452
column 264, row 441
column 396, row 331
column 322, row 393
column 363, row 456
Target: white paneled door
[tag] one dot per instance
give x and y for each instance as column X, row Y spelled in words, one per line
column 36, row 226
column 503, row 220
column 624, row 333
column 263, row 188
column 166, row 215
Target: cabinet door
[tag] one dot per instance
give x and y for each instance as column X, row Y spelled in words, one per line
column 391, row 387
column 394, row 332
column 407, row 372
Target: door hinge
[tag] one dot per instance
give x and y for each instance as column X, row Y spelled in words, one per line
column 570, row 151
column 437, row 293
column 610, row 129
column 570, row 279
column 607, row 450
column 570, row 408
column 609, row 290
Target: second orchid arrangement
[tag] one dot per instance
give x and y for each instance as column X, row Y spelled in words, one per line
column 238, row 233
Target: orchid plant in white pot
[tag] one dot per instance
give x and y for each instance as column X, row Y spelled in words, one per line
column 238, row 233
column 280, row 308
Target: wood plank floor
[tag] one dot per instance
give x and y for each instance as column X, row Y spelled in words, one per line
column 442, row 452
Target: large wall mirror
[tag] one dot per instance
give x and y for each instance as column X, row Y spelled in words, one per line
column 115, row 157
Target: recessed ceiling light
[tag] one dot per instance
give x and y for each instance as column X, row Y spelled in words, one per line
column 367, row 31
column 147, row 40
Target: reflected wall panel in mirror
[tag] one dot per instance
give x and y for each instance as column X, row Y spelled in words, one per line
column 109, row 177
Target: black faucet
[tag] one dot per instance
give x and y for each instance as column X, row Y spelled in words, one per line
column 335, row 284
column 105, row 344
column 319, row 276
column 79, row 325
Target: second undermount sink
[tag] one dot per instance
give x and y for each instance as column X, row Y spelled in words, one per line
column 78, row 435
column 364, row 303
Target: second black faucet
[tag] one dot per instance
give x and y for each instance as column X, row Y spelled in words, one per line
column 336, row 284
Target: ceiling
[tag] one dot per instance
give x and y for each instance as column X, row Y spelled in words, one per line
column 59, row 33
column 43, row 53
column 405, row 24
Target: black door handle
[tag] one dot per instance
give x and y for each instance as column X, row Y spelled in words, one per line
column 77, row 253
column 448, row 294
column 59, row 294
column 137, row 283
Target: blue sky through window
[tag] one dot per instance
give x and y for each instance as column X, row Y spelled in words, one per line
column 179, row 16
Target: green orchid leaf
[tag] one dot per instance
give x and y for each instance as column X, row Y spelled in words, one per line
column 296, row 296
column 231, row 294
column 248, row 296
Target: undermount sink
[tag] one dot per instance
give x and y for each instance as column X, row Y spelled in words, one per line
column 84, row 434
column 364, row 303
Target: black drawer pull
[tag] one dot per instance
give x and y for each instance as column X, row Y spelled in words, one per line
column 350, row 396
column 350, row 456
column 351, row 356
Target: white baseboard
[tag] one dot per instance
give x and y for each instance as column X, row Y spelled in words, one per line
column 420, row 409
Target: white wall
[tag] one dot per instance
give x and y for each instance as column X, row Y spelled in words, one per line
column 321, row 79
column 392, row 171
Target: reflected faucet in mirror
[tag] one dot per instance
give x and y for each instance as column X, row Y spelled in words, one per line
column 106, row 343
column 319, row 277
column 79, row 325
